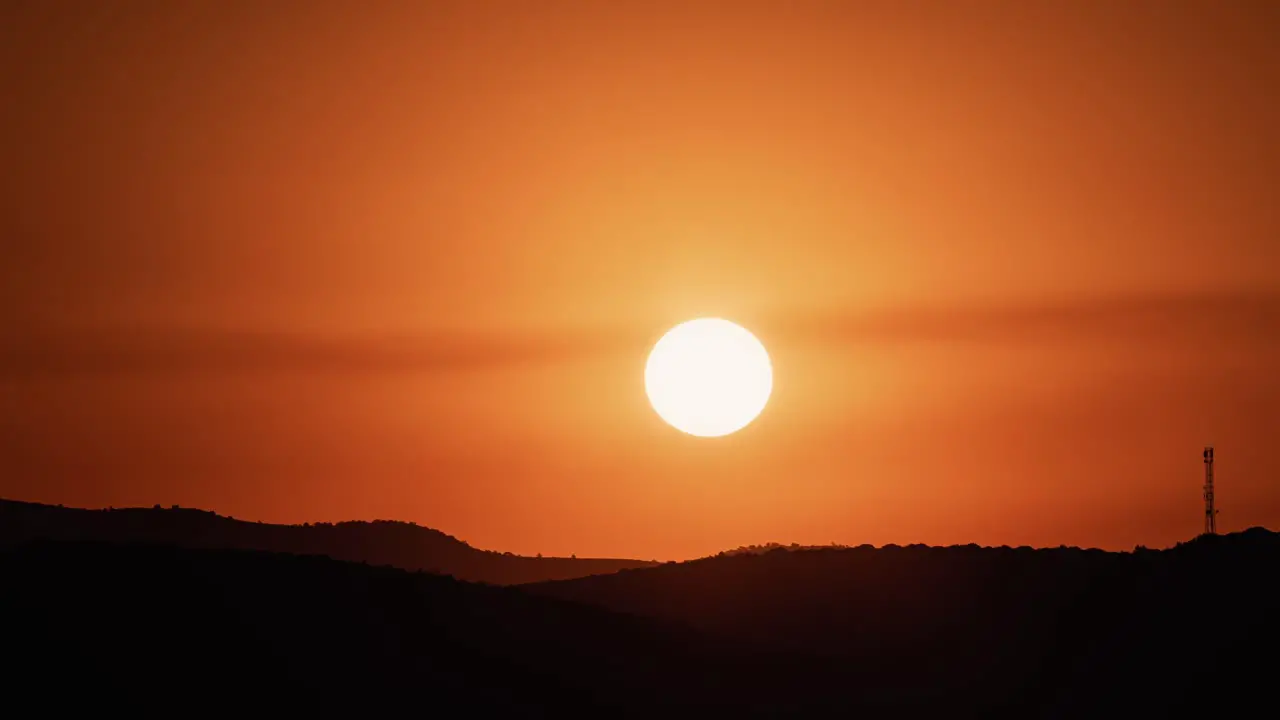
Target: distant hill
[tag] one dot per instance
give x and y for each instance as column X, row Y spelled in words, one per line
column 398, row 544
column 1038, row 633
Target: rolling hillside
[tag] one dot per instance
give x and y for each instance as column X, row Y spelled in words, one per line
column 111, row 626
column 1061, row 628
column 398, row 544
column 126, row 609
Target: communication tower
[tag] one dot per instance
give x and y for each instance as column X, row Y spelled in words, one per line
column 1210, row 514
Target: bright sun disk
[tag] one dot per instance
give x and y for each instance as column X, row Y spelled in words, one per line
column 708, row 377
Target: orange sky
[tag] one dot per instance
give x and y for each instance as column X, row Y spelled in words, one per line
column 1016, row 264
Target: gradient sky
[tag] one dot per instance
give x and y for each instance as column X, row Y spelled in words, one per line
column 1016, row 263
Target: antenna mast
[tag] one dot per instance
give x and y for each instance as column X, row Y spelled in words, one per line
column 1210, row 514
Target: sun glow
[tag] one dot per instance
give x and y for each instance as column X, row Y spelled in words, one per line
column 708, row 377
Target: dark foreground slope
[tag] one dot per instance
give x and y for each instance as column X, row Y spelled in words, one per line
column 398, row 544
column 1036, row 633
column 160, row 627
column 900, row 632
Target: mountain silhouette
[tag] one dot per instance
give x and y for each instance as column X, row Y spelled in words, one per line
column 132, row 626
column 398, row 544
column 1037, row 632
column 775, row 631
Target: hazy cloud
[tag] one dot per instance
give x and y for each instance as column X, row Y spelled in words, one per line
column 195, row 351
column 1249, row 318
column 1240, row 316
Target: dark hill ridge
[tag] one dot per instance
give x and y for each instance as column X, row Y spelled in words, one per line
column 399, row 544
column 1150, row 634
column 1062, row 628
column 134, row 626
column 914, row 632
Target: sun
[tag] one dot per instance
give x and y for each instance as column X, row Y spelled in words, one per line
column 708, row 377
